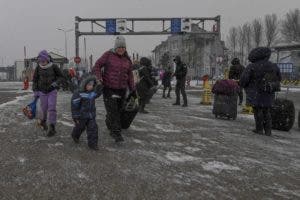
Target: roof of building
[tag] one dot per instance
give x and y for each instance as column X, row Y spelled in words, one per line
column 287, row 46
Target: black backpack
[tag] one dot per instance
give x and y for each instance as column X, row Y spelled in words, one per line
column 269, row 83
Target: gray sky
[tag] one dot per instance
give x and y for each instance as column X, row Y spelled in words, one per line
column 33, row 23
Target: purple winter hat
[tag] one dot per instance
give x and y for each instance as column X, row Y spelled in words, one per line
column 43, row 56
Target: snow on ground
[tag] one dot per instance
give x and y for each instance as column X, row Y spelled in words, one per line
column 171, row 153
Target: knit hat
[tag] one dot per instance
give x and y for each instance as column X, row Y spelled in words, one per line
column 145, row 62
column 43, row 56
column 120, row 42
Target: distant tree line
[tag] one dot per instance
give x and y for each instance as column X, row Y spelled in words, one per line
column 267, row 31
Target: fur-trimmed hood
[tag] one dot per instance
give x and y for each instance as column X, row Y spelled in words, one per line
column 85, row 81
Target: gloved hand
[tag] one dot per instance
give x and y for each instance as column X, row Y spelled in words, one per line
column 133, row 94
column 36, row 94
column 55, row 86
column 76, row 121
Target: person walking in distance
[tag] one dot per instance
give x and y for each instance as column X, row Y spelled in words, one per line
column 180, row 74
column 166, row 82
column 235, row 73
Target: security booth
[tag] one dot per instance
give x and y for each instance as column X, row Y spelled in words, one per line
column 288, row 60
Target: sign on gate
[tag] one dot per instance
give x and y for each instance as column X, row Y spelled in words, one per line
column 111, row 26
column 176, row 25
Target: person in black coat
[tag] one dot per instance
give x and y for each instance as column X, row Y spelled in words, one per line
column 166, row 82
column 235, row 73
column 180, row 74
column 84, row 111
column 145, row 84
column 261, row 79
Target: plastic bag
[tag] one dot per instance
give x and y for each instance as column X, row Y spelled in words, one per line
column 30, row 110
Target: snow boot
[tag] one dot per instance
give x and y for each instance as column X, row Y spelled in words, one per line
column 258, row 132
column 51, row 130
column 94, row 147
column 43, row 125
column 117, row 136
column 76, row 140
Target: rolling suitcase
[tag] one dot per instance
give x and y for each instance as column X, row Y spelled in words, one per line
column 225, row 106
column 283, row 114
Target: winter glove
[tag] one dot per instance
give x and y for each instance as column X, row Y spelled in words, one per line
column 133, row 94
column 36, row 94
column 55, row 86
column 76, row 121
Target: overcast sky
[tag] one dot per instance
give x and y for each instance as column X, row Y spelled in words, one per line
column 33, row 23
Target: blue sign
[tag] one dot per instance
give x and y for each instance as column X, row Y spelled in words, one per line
column 286, row 67
column 111, row 26
column 176, row 25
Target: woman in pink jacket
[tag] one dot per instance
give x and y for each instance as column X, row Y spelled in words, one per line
column 114, row 69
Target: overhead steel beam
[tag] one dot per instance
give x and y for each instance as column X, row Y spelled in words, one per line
column 164, row 29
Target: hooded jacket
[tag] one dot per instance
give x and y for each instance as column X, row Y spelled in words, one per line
column 236, row 69
column 83, row 102
column 254, row 74
column 45, row 80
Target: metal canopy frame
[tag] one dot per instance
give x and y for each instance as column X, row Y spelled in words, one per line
column 165, row 27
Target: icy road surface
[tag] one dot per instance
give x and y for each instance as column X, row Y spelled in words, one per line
column 171, row 153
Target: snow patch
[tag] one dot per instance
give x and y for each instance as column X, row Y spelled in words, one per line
column 156, row 136
column 22, row 160
column 178, row 144
column 166, row 128
column 192, row 149
column 82, row 176
column 201, row 118
column 217, row 167
column 179, row 157
column 138, row 128
column 57, row 144
column 66, row 123
column 138, row 141
column 283, row 141
column 16, row 101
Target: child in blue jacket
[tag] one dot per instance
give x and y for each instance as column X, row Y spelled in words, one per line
column 84, row 111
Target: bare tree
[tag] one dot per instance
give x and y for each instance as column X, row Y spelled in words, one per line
column 257, row 32
column 242, row 41
column 232, row 39
column 248, row 35
column 271, row 28
column 291, row 26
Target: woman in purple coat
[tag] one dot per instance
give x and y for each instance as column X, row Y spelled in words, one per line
column 45, row 87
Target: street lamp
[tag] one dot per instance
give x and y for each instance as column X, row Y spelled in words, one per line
column 66, row 44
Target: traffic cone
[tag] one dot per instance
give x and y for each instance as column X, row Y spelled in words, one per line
column 247, row 110
column 206, row 96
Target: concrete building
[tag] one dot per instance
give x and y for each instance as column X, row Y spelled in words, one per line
column 203, row 53
column 19, row 70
